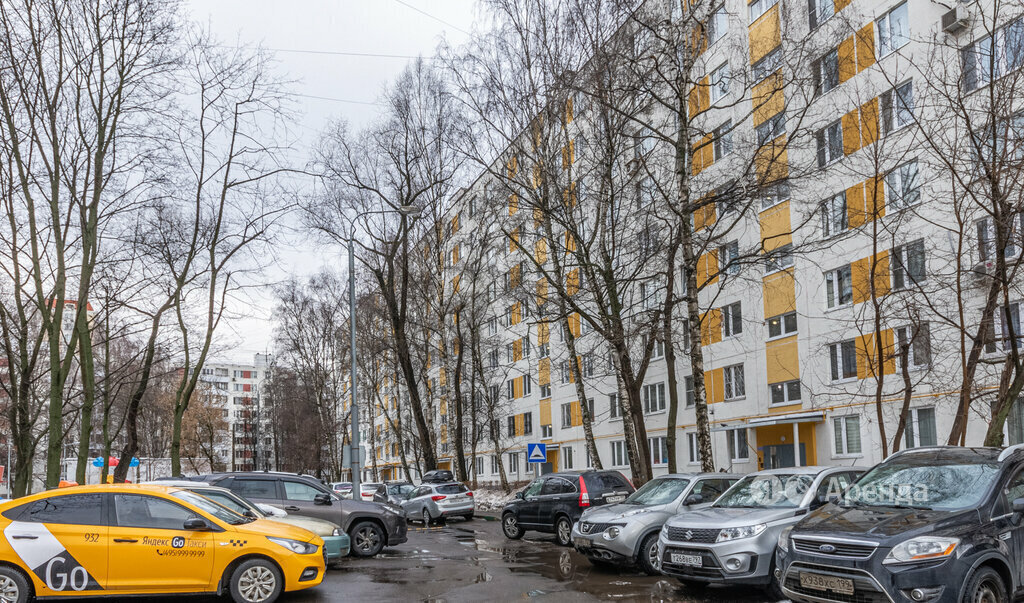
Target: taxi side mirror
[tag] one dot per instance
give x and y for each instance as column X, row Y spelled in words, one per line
column 196, row 524
column 322, row 499
column 693, row 499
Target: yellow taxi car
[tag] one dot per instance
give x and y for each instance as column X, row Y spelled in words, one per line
column 130, row 539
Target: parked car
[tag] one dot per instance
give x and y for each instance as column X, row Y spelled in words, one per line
column 552, row 503
column 438, row 476
column 733, row 540
column 431, row 502
column 937, row 525
column 627, row 533
column 336, row 542
column 371, row 526
column 343, row 488
column 373, row 492
column 399, row 491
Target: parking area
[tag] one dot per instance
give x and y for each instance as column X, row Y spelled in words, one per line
column 473, row 561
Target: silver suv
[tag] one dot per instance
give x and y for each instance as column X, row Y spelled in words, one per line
column 627, row 533
column 733, row 541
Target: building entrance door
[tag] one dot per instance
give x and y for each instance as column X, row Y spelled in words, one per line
column 781, row 455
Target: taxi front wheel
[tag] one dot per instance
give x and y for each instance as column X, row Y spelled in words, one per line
column 256, row 581
column 13, row 586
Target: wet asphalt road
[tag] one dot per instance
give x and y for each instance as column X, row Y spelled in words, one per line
column 473, row 561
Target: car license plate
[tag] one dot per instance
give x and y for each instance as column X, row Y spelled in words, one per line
column 691, row 560
column 615, row 499
column 842, row 586
column 583, row 542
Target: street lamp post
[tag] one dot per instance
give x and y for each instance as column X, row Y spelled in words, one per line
column 354, row 444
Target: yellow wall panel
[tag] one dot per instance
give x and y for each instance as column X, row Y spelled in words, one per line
column 874, row 197
column 517, row 350
column 544, row 371
column 851, row 132
column 576, row 414
column 543, row 332
column 711, row 327
column 867, row 363
column 545, row 412
column 771, row 161
column 542, row 291
column 520, row 424
column 847, row 60
column 765, row 34
column 865, row 47
column 704, row 216
column 783, row 360
column 714, row 385
column 869, row 122
column 860, row 275
column 513, row 204
column 855, row 214
column 776, row 229
column 707, row 268
column 779, row 293
column 540, row 251
column 768, row 97
column 572, row 282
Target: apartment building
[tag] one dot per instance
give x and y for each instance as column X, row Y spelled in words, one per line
column 873, row 271
column 237, row 388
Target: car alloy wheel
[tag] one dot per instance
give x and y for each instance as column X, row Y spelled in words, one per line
column 9, row 590
column 563, row 531
column 510, row 526
column 426, row 517
column 257, row 584
column 367, row 539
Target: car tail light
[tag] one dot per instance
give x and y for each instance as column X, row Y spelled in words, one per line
column 438, row 497
column 584, row 497
column 469, row 494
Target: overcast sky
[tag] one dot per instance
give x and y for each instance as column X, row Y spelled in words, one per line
column 304, row 33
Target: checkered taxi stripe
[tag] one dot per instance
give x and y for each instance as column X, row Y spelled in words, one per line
column 235, row 542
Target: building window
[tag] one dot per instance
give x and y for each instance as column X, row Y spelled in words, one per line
column 719, row 82
column 723, row 140
column 566, row 371
column 774, row 194
column 728, row 257
column 843, row 360
column 693, row 448
column 768, row 65
column 779, row 259
column 718, row 24
column 830, row 143
column 1005, row 53
column 544, row 350
column 511, row 383
column 659, row 451
column 545, row 390
column 782, row 325
column 847, row 433
column 819, row 11
column 510, row 352
column 735, row 386
column 893, row 30
column 908, row 265
column 587, row 365
column 760, row 7
column 839, row 287
column 527, row 423
column 897, row 107
column 771, row 129
column 738, row 449
column 654, row 397
column 492, row 323
column 619, row 453
column 787, row 392
column 478, row 468
column 526, row 385
column 920, row 428
column 833, row 215
column 691, row 399
column 902, row 188
column 917, row 341
column 732, row 320
column 826, row 72
column 658, row 350
column 1009, row 329
column 546, row 432
column 512, row 426
column 566, row 415
column 614, row 412
column 567, row 457
column 513, row 462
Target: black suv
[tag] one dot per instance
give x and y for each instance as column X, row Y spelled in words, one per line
column 927, row 525
column 554, row 502
column 371, row 526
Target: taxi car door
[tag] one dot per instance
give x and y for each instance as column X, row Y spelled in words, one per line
column 151, row 551
column 63, row 540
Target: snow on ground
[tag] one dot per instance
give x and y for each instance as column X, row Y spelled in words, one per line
column 492, row 499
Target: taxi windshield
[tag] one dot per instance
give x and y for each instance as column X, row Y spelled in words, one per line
column 207, row 505
column 767, row 491
column 658, row 491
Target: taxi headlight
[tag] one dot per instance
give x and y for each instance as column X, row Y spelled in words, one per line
column 727, row 534
column 922, row 548
column 611, row 533
column 784, row 538
column 336, row 532
column 295, row 546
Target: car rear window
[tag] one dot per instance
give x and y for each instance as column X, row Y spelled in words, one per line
column 452, row 489
column 612, row 481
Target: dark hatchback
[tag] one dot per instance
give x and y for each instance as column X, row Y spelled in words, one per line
column 927, row 525
column 554, row 502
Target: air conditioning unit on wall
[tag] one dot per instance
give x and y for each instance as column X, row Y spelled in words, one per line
column 955, row 21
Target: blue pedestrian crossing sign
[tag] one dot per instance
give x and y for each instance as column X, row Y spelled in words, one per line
column 536, row 453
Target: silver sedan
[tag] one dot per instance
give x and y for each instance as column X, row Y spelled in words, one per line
column 627, row 533
column 431, row 502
